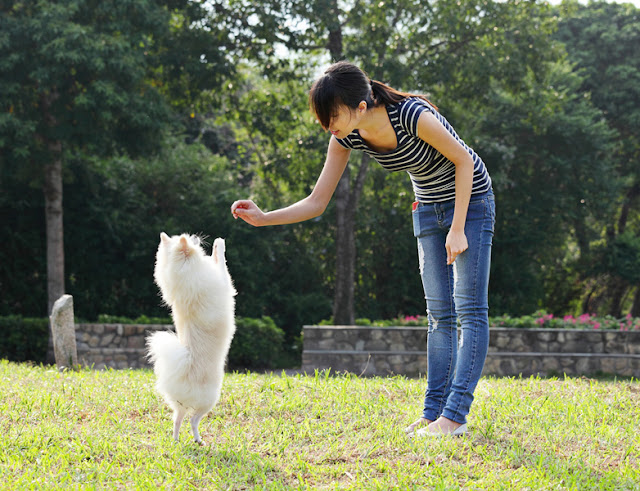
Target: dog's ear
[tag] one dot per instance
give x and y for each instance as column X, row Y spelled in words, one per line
column 184, row 246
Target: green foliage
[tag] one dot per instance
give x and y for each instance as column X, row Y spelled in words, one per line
column 537, row 320
column 23, row 286
column 257, row 343
column 541, row 120
column 388, row 280
column 23, row 338
column 116, row 211
column 549, row 152
column 77, row 72
column 601, row 39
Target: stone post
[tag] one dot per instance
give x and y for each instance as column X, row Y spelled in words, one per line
column 64, row 332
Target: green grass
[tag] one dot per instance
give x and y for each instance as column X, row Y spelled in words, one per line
column 109, row 430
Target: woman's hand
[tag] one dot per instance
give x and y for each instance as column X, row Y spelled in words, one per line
column 455, row 244
column 249, row 212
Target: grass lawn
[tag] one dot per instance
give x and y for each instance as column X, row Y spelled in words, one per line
column 109, row 430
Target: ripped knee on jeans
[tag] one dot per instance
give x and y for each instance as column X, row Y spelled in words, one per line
column 433, row 323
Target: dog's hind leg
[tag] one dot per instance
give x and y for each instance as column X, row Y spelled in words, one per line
column 195, row 421
column 178, row 416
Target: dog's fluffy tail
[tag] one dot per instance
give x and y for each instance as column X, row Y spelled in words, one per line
column 170, row 358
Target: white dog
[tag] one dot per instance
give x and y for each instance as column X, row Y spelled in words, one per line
column 189, row 364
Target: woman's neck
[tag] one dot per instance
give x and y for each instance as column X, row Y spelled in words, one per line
column 375, row 120
column 376, row 130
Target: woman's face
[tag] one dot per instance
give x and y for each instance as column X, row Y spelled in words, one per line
column 346, row 120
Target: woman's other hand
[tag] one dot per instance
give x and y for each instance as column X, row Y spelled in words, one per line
column 455, row 244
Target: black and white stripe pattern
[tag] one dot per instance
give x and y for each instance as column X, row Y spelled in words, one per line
column 431, row 173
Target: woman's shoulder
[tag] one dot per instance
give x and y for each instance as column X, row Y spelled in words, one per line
column 413, row 103
column 409, row 110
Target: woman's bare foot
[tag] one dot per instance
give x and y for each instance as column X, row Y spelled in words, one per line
column 410, row 430
column 443, row 425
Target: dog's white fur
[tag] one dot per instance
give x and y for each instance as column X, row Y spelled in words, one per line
column 189, row 364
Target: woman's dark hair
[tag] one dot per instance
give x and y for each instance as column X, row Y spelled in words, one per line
column 343, row 83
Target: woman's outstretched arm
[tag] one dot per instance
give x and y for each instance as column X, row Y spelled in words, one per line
column 307, row 208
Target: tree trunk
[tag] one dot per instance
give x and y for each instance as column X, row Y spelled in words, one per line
column 55, row 245
column 52, row 190
column 53, row 215
column 343, row 311
column 346, row 207
column 618, row 288
column 617, row 293
column 635, row 308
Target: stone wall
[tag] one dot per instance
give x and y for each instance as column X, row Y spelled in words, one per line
column 401, row 350
column 512, row 352
column 114, row 345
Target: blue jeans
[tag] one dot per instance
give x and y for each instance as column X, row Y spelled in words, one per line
column 455, row 293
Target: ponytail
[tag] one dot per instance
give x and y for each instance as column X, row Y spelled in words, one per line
column 383, row 94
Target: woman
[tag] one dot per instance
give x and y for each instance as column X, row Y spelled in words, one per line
column 453, row 219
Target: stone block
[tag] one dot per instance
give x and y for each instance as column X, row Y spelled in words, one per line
column 593, row 337
column 621, row 364
column 507, row 366
column 136, row 342
column 502, row 342
column 396, row 359
column 517, row 345
column 64, row 333
column 376, row 334
column 607, row 365
column 554, row 347
column 490, row 367
column 565, row 361
column 551, row 364
column 106, row 340
column 546, row 336
column 377, row 345
column 583, row 366
column 326, row 344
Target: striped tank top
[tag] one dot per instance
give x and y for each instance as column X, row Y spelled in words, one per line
column 432, row 174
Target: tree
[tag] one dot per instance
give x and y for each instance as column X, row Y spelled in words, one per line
column 82, row 77
column 549, row 149
column 602, row 39
column 399, row 42
column 447, row 49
